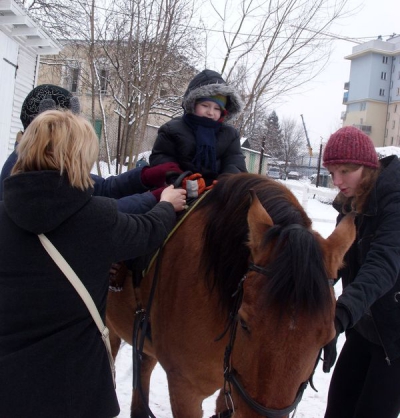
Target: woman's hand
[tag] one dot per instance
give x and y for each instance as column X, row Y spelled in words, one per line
column 175, row 196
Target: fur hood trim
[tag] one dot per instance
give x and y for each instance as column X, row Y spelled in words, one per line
column 213, row 87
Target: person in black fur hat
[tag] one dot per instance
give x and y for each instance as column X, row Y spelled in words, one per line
column 46, row 97
column 200, row 141
column 129, row 188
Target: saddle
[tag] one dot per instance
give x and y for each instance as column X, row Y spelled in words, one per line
column 196, row 187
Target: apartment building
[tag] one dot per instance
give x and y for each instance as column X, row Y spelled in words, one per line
column 372, row 95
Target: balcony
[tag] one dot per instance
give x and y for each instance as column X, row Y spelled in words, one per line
column 343, row 115
column 346, row 85
column 345, row 97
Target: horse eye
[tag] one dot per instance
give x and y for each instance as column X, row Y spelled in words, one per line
column 243, row 324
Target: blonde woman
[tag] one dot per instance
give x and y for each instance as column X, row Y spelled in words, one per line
column 53, row 362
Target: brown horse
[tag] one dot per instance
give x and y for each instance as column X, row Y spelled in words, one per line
column 243, row 302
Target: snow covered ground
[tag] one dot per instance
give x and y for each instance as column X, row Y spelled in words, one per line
column 312, row 404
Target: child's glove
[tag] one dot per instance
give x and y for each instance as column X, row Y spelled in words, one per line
column 157, row 192
column 194, row 185
column 156, row 176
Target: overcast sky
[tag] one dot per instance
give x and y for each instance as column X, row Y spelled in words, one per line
column 321, row 102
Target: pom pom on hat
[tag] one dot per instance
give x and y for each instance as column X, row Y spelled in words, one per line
column 349, row 145
column 46, row 97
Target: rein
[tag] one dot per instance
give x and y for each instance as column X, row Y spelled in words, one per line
column 230, row 374
column 141, row 323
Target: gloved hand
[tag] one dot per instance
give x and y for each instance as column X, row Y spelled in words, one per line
column 330, row 351
column 157, row 192
column 155, row 176
column 194, row 185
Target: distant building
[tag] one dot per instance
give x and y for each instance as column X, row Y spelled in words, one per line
column 372, row 96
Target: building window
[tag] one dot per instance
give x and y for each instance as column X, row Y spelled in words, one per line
column 103, row 80
column 363, row 106
column 383, row 75
column 71, row 80
column 74, row 79
column 398, row 91
column 393, row 124
column 385, row 60
column 381, row 92
column 395, row 108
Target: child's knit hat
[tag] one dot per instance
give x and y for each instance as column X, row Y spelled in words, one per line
column 209, row 84
column 219, row 99
column 349, row 145
column 46, row 97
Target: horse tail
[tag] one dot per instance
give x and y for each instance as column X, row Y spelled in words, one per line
column 297, row 277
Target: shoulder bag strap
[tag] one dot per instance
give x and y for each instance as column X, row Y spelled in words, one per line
column 83, row 293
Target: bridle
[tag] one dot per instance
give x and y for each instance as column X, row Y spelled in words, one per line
column 230, row 374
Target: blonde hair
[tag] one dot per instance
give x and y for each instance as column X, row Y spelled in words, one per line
column 62, row 141
column 357, row 202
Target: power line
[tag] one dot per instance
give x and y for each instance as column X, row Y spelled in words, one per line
column 327, row 35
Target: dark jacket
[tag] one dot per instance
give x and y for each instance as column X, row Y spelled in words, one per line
column 53, row 362
column 176, row 142
column 371, row 276
column 127, row 188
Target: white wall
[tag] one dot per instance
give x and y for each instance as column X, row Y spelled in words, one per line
column 8, row 70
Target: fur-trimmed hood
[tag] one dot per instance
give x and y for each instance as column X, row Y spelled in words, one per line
column 210, row 83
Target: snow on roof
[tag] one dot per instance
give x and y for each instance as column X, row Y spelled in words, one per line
column 385, row 151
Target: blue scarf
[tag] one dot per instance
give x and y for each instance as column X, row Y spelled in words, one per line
column 205, row 130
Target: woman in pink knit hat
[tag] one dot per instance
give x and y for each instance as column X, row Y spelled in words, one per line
column 366, row 379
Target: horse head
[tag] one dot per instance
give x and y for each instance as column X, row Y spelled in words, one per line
column 285, row 314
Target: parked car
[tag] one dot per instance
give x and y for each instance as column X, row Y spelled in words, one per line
column 293, row 175
column 274, row 173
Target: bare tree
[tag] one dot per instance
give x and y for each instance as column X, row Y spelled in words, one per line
column 143, row 48
column 293, row 141
column 148, row 48
column 272, row 47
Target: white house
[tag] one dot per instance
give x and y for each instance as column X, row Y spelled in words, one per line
column 22, row 42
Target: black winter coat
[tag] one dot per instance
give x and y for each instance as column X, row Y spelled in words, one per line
column 371, row 276
column 53, row 362
column 176, row 142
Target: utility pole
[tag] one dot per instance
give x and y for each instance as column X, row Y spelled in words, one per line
column 319, row 164
column 308, row 140
column 261, row 156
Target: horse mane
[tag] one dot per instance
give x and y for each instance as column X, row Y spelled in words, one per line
column 225, row 254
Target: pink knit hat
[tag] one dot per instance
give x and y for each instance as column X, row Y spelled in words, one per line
column 349, row 145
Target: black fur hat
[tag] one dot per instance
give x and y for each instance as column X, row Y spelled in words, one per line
column 46, row 97
column 210, row 83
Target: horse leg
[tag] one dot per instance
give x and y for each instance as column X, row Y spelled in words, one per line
column 185, row 399
column 138, row 409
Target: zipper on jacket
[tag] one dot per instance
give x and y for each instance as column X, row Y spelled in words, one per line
column 380, row 339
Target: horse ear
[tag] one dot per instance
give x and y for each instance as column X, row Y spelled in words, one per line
column 339, row 242
column 258, row 220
